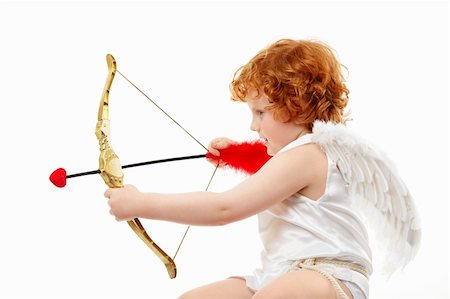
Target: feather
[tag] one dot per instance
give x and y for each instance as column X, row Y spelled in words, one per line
column 378, row 191
column 247, row 157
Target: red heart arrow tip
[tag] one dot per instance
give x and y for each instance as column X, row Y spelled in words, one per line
column 58, row 177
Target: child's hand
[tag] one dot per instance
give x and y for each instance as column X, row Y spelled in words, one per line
column 125, row 203
column 216, row 145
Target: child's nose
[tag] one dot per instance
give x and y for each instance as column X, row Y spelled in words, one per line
column 254, row 126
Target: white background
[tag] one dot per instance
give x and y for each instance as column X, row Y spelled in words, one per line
column 62, row 243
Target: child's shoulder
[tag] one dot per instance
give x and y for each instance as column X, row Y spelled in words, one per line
column 303, row 148
column 307, row 158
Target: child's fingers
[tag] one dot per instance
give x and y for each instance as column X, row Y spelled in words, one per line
column 215, row 146
column 213, row 151
column 214, row 162
column 218, row 144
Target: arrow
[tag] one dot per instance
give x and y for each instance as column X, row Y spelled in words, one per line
column 247, row 157
column 59, row 176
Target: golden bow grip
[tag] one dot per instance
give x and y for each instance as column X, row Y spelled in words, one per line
column 111, row 169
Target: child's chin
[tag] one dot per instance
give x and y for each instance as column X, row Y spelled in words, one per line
column 271, row 151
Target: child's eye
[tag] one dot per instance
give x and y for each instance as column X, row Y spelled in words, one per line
column 259, row 112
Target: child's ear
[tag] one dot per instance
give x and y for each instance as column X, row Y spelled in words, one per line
column 281, row 114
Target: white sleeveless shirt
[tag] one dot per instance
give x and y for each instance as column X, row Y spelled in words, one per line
column 300, row 228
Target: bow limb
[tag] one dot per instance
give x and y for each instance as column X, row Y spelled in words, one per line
column 111, row 169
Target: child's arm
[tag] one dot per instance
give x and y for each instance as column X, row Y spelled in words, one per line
column 282, row 176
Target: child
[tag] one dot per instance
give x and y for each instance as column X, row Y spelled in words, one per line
column 315, row 243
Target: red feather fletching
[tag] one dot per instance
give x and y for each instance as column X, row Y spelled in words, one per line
column 247, row 157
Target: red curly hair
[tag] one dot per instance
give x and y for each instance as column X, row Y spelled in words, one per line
column 301, row 78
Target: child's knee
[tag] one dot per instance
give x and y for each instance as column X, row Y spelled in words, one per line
column 187, row 295
column 191, row 294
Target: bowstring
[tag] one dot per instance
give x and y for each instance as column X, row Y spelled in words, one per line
column 187, row 229
column 187, row 132
column 163, row 111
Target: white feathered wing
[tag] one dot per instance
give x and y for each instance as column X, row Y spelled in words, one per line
column 378, row 191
